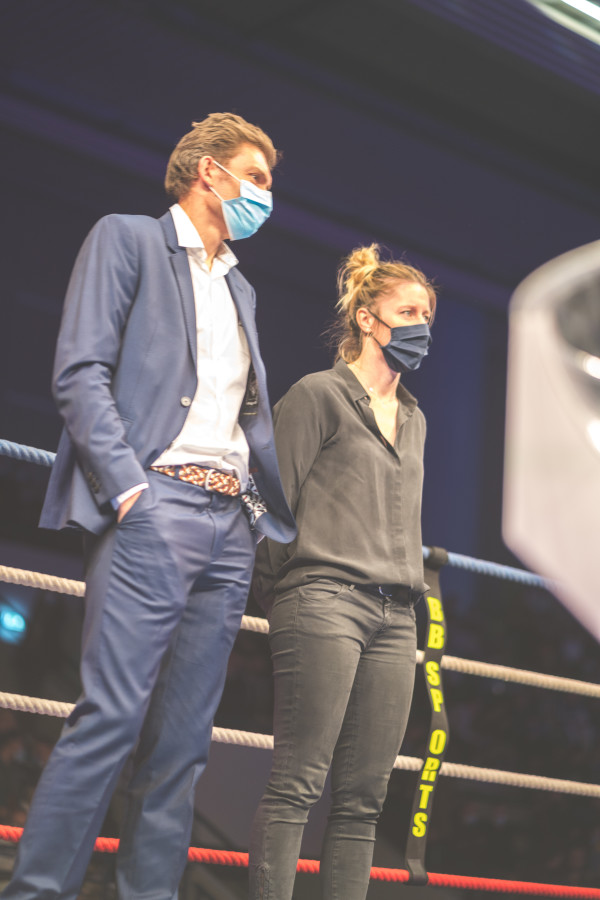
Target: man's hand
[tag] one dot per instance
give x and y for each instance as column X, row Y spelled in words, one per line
column 126, row 505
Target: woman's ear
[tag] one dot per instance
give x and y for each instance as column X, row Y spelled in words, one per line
column 364, row 320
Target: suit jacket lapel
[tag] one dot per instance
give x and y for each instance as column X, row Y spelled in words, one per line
column 243, row 305
column 245, row 311
column 237, row 288
column 181, row 270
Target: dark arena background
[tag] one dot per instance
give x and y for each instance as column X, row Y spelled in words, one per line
column 462, row 135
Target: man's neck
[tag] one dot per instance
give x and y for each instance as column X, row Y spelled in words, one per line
column 203, row 221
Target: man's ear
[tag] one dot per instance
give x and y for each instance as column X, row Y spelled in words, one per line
column 206, row 171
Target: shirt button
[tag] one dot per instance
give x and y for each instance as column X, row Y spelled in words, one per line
column 185, row 401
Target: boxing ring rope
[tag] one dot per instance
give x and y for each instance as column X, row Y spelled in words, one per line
column 261, row 626
column 378, row 873
column 249, row 739
column 455, row 560
column 27, row 454
column 38, row 705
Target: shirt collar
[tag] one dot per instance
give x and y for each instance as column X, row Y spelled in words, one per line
column 357, row 391
column 188, row 237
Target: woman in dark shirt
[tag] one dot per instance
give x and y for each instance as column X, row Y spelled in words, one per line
column 340, row 598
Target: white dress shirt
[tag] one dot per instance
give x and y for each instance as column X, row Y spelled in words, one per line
column 211, row 435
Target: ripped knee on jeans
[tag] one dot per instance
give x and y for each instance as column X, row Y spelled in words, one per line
column 259, row 882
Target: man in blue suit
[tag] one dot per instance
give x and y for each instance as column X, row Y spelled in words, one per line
column 167, row 463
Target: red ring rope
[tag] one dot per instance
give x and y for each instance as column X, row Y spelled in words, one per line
column 466, row 882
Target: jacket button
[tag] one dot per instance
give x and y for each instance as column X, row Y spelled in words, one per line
column 185, row 401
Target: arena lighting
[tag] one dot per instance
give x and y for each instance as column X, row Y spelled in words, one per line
column 582, row 16
column 12, row 621
column 12, row 625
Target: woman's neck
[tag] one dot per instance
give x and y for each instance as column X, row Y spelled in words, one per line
column 375, row 375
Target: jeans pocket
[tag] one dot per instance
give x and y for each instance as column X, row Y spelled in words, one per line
column 323, row 589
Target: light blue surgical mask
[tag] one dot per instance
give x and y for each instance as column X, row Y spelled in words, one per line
column 245, row 214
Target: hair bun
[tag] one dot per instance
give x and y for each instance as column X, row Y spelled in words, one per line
column 356, row 268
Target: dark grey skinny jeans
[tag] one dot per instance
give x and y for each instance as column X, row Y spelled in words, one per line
column 344, row 666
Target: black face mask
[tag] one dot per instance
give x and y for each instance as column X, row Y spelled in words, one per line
column 407, row 346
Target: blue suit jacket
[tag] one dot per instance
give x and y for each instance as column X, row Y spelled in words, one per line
column 125, row 369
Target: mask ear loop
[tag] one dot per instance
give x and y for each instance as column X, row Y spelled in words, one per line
column 371, row 334
column 231, row 175
column 216, row 193
column 380, row 320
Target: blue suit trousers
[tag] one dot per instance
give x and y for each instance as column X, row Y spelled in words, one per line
column 166, row 589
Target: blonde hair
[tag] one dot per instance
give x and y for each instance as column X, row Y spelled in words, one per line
column 219, row 136
column 362, row 278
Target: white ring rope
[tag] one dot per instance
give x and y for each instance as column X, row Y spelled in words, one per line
column 36, row 705
column 44, row 582
column 410, row 763
column 261, row 626
column 519, row 676
column 517, row 779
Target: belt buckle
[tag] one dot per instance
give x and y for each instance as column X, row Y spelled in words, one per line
column 207, row 487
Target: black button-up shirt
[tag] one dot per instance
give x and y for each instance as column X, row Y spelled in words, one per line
column 356, row 498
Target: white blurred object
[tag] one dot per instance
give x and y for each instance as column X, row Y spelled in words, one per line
column 551, row 516
column 581, row 16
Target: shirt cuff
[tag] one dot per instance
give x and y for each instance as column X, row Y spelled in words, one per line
column 120, row 498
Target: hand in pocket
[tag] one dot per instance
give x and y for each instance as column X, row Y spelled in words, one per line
column 126, row 505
